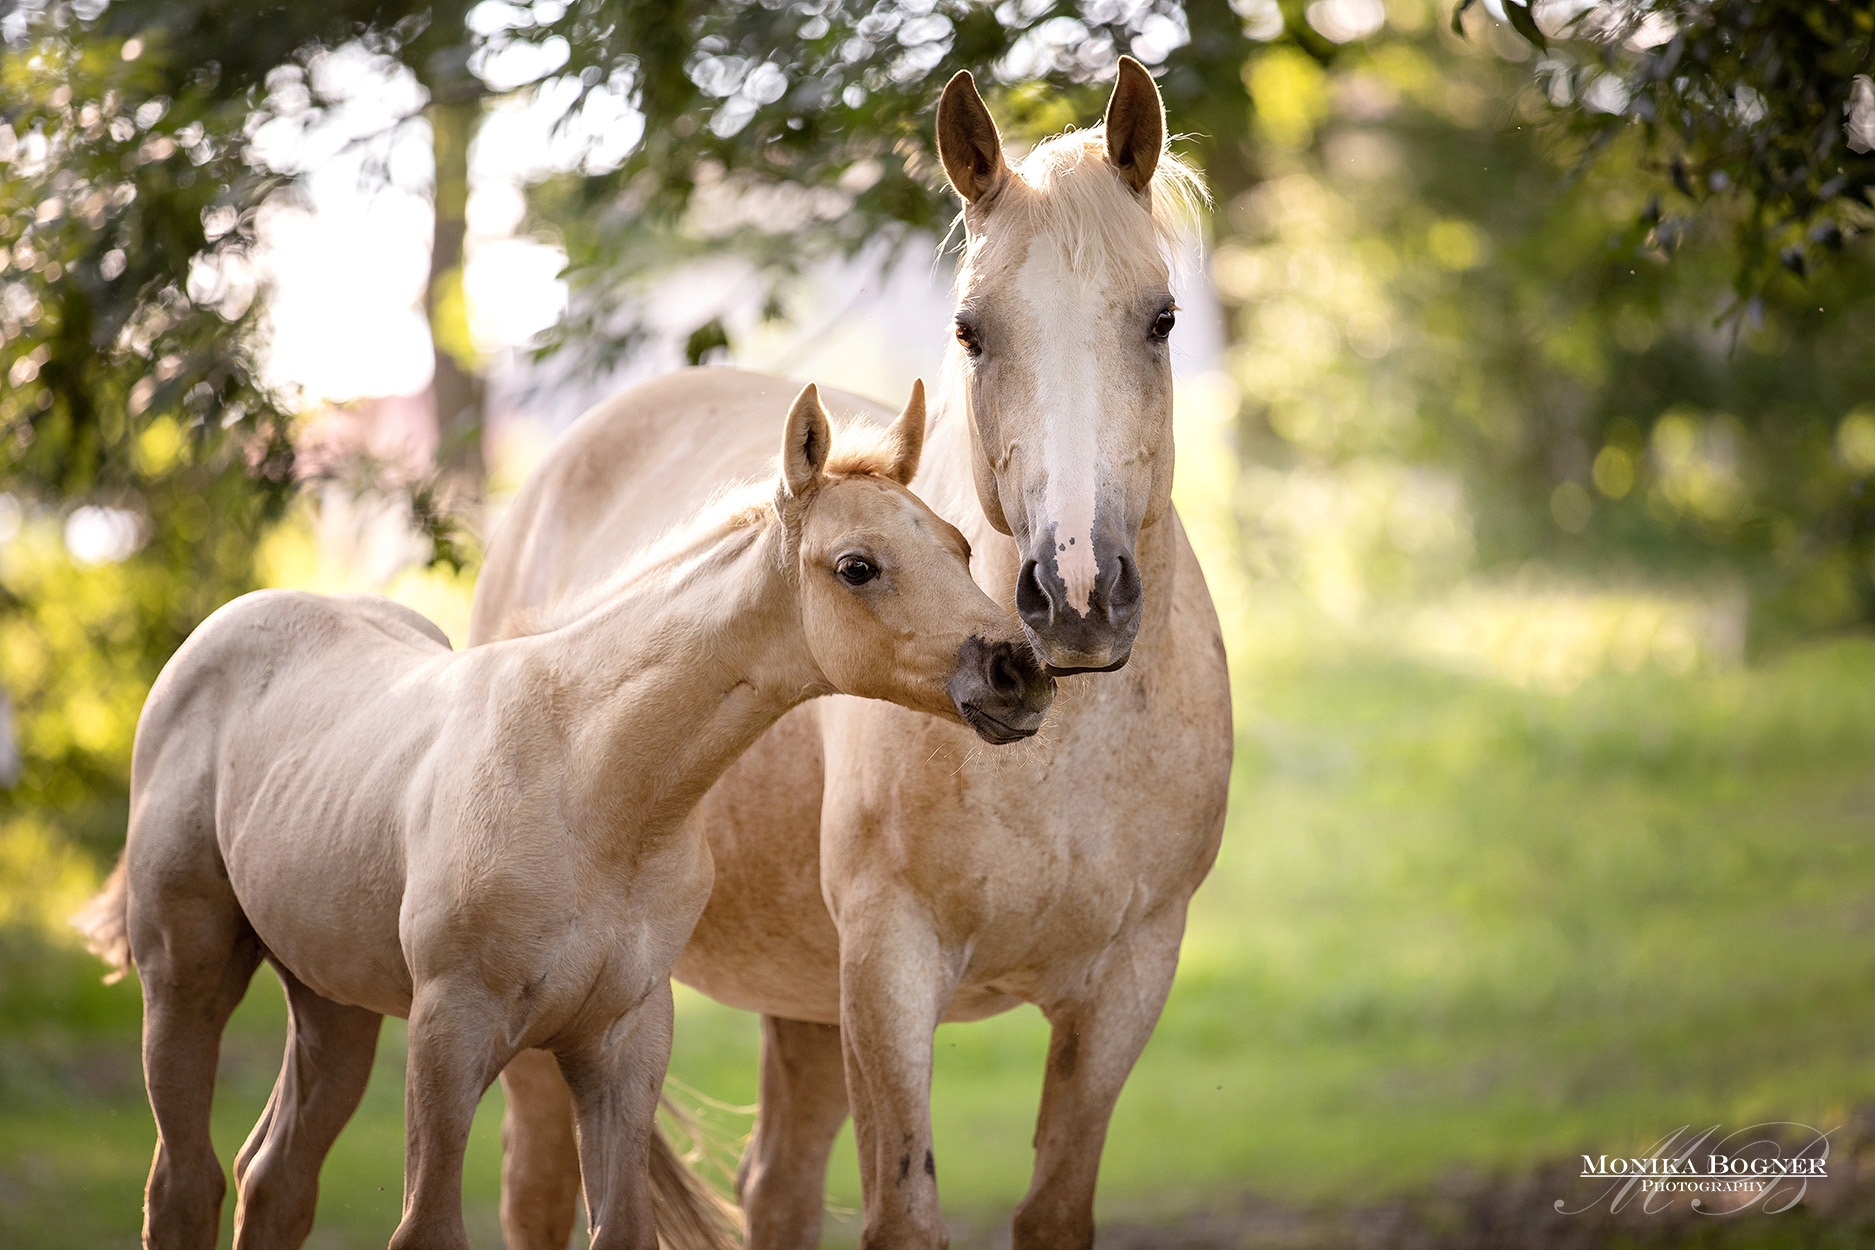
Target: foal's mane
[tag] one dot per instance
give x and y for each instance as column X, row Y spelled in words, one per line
column 1079, row 197
column 744, row 510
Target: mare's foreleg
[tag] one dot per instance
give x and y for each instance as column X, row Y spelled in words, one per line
column 539, row 1154
column 1096, row 1038
column 329, row 1052
column 615, row 1081
column 782, row 1183
column 457, row 1046
column 195, row 955
column 894, row 985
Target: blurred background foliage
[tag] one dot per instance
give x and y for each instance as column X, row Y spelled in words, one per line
column 1545, row 398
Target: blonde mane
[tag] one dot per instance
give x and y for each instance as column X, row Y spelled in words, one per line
column 742, row 508
column 1078, row 196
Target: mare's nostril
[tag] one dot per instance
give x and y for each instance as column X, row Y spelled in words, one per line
column 1033, row 604
column 1124, row 599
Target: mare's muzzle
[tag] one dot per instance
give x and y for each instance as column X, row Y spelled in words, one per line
column 1001, row 689
column 1072, row 641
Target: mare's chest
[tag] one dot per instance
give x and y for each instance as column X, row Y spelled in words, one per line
column 1029, row 854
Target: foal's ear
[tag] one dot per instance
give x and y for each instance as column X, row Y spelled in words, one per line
column 1135, row 125
column 908, row 437
column 805, row 443
column 968, row 144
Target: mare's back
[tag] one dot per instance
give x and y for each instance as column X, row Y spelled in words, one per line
column 627, row 471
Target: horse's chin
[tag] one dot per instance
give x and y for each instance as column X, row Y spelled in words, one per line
column 1056, row 670
column 994, row 731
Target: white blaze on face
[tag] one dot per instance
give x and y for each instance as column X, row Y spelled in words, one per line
column 1062, row 306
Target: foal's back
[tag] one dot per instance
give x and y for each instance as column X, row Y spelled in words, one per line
column 285, row 737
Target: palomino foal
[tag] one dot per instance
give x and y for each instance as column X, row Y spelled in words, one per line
column 493, row 842
column 875, row 872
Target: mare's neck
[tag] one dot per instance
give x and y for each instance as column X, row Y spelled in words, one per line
column 672, row 676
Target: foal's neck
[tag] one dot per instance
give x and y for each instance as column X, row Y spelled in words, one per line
column 673, row 675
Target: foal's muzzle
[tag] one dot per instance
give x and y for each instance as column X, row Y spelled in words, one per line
column 1001, row 689
column 1098, row 640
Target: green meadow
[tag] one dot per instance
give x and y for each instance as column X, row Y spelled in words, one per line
column 1458, row 926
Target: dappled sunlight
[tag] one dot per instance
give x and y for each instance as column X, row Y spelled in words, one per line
column 1555, row 638
column 44, row 879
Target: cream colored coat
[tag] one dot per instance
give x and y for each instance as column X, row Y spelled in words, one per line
column 877, row 871
column 492, row 842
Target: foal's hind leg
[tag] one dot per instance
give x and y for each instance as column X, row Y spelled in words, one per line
column 782, row 1183
column 195, row 955
column 328, row 1062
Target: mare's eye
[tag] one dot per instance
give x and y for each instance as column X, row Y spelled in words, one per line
column 856, row 570
column 1162, row 325
column 967, row 335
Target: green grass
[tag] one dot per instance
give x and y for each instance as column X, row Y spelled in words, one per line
column 1455, row 926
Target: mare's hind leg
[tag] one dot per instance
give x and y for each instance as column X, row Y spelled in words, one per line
column 328, row 1062
column 195, row 954
column 782, row 1183
column 539, row 1154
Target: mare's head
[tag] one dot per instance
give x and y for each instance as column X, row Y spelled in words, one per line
column 886, row 596
column 1064, row 307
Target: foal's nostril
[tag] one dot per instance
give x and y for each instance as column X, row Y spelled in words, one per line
column 1033, row 603
column 1005, row 675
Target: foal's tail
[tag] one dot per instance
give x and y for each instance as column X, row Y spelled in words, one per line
column 106, row 925
column 690, row 1214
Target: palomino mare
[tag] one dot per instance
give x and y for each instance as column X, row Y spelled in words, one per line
column 875, row 873
column 492, row 842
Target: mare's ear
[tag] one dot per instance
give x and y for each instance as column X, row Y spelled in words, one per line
column 804, row 444
column 968, row 144
column 1135, row 125
column 907, row 437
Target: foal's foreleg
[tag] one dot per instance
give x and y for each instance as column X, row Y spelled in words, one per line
column 328, row 1063
column 1096, row 1038
column 782, row 1183
column 457, row 1045
column 615, row 1081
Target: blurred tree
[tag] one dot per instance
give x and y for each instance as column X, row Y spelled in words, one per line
column 132, row 421
column 141, row 454
column 1425, row 284
column 1766, row 108
column 782, row 133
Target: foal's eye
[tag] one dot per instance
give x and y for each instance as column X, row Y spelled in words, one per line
column 1162, row 325
column 856, row 570
column 967, row 335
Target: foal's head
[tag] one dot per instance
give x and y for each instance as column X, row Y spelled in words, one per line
column 886, row 596
column 1064, row 306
